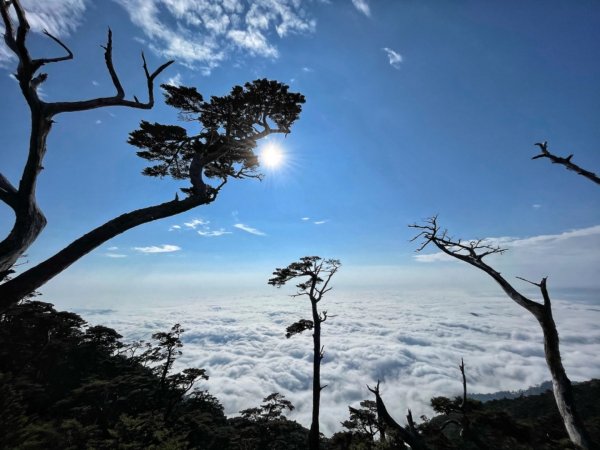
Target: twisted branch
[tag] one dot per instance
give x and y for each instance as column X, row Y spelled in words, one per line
column 565, row 162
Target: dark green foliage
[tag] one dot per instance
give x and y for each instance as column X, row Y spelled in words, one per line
column 271, row 409
column 298, row 327
column 228, row 130
column 65, row 385
column 265, row 426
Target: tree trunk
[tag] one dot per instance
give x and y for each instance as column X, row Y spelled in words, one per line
column 14, row 290
column 313, row 435
column 561, row 385
column 29, row 220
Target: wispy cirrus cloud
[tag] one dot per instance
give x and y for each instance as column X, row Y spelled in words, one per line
column 201, row 226
column 213, row 233
column 194, row 223
column 165, row 248
column 206, row 32
column 248, row 229
column 113, row 252
column 316, row 222
column 394, row 57
column 174, row 80
column 115, row 255
column 362, row 6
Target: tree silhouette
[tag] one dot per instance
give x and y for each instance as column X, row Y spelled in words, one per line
column 316, row 274
column 473, row 252
column 223, row 148
column 545, row 153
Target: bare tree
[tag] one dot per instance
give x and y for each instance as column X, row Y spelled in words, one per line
column 473, row 252
column 409, row 434
column 317, row 273
column 223, row 149
column 544, row 153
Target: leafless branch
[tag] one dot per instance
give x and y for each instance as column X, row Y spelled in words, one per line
column 471, row 253
column 119, row 98
column 37, row 63
column 407, row 434
column 565, row 162
column 430, row 232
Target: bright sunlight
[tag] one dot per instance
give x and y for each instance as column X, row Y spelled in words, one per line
column 271, row 156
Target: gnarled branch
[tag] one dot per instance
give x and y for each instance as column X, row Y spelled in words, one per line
column 565, row 162
column 407, row 434
column 473, row 254
column 119, row 98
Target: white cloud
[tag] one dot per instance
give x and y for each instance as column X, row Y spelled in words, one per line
column 394, row 57
column 112, row 249
column 98, row 122
column 206, row 32
column 174, row 227
column 320, row 222
column 536, row 205
column 95, row 83
column 195, row 222
column 248, row 229
column 434, row 257
column 362, row 6
column 115, row 255
column 175, row 80
column 166, row 248
column 253, row 41
column 213, row 233
column 305, row 219
column 413, row 344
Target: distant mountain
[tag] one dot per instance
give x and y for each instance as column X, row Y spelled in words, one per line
column 533, row 390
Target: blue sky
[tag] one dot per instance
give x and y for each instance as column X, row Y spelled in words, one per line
column 413, row 108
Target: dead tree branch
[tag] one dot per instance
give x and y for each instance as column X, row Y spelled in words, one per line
column 473, row 253
column 565, row 162
column 29, row 219
column 408, row 434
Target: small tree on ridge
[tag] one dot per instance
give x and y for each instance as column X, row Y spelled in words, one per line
column 316, row 273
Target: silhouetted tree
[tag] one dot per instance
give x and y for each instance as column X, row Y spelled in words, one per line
column 408, row 434
column 473, row 252
column 544, row 153
column 316, row 273
column 364, row 422
column 223, row 148
column 271, row 409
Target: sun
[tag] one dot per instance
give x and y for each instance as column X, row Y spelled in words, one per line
column 271, row 156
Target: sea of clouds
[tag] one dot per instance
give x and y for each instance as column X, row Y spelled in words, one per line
column 412, row 343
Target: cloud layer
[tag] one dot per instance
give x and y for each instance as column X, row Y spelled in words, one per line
column 204, row 32
column 198, row 33
column 413, row 345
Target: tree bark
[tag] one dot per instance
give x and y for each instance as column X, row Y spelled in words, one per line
column 561, row 385
column 14, row 290
column 29, row 220
column 313, row 435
